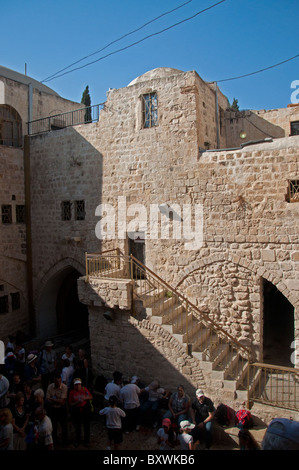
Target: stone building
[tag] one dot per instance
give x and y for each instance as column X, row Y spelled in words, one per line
column 166, row 150
column 22, row 99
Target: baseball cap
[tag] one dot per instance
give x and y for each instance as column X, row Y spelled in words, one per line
column 186, row 425
column 199, row 393
column 166, row 422
column 77, row 381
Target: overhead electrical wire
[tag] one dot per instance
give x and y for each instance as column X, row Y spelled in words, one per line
column 136, row 42
column 257, row 71
column 119, row 39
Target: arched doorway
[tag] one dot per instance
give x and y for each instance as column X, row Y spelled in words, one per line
column 278, row 326
column 71, row 314
column 59, row 310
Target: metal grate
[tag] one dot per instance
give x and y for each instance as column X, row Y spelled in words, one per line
column 66, row 210
column 294, row 191
column 150, row 110
column 6, row 214
column 79, row 210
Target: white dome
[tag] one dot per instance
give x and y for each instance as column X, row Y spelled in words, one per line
column 160, row 72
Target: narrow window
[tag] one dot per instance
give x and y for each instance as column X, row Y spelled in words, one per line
column 79, row 210
column 66, row 210
column 295, row 128
column 150, row 110
column 4, row 304
column 15, row 301
column 20, row 214
column 293, row 191
column 6, row 214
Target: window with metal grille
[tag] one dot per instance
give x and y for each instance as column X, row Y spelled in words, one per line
column 20, row 214
column 150, row 110
column 79, row 210
column 15, row 301
column 66, row 210
column 6, row 214
column 293, row 191
column 10, row 127
column 4, row 304
column 295, row 128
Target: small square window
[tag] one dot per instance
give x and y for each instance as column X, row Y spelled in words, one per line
column 20, row 214
column 150, row 110
column 66, row 210
column 15, row 301
column 4, row 304
column 79, row 210
column 293, row 191
column 295, row 128
column 6, row 214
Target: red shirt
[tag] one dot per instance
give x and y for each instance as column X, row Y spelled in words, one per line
column 77, row 397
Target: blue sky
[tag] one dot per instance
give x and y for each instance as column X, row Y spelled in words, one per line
column 233, row 38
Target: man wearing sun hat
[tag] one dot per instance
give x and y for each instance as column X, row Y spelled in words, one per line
column 202, row 412
column 32, row 371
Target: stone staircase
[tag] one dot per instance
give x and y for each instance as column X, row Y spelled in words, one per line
column 220, row 363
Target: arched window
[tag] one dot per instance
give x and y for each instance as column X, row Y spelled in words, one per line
column 10, row 127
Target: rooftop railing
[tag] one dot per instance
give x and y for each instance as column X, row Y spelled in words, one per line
column 84, row 115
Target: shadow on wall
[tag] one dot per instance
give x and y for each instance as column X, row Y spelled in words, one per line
column 252, row 126
column 138, row 347
column 65, row 177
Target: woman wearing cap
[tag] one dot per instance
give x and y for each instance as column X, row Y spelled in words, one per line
column 79, row 402
column 166, row 435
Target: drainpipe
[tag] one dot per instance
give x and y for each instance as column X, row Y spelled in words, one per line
column 217, row 115
column 30, row 93
column 31, row 313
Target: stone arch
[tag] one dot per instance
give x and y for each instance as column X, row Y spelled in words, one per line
column 249, row 324
column 48, row 292
column 10, row 126
column 258, row 270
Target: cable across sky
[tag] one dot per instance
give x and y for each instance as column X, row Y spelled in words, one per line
column 54, row 76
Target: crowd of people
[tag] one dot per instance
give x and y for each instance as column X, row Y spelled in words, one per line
column 41, row 393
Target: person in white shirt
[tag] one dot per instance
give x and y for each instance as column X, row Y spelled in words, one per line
column 44, row 430
column 129, row 396
column 114, row 417
column 185, row 439
column 67, row 373
column 113, row 388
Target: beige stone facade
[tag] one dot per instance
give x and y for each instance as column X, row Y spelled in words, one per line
column 16, row 93
column 193, row 156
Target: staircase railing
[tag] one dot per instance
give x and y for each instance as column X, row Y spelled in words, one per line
column 274, row 385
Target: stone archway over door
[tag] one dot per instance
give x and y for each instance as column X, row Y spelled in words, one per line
column 59, row 310
column 278, row 326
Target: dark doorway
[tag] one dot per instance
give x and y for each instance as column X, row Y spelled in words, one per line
column 278, row 327
column 137, row 249
column 71, row 313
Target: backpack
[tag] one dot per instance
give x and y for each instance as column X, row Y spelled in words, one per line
column 224, row 414
column 243, row 419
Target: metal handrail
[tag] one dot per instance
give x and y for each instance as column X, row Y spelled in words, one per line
column 84, row 115
column 203, row 316
column 257, row 376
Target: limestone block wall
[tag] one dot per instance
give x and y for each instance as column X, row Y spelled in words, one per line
column 250, row 231
column 137, row 347
column 12, row 242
